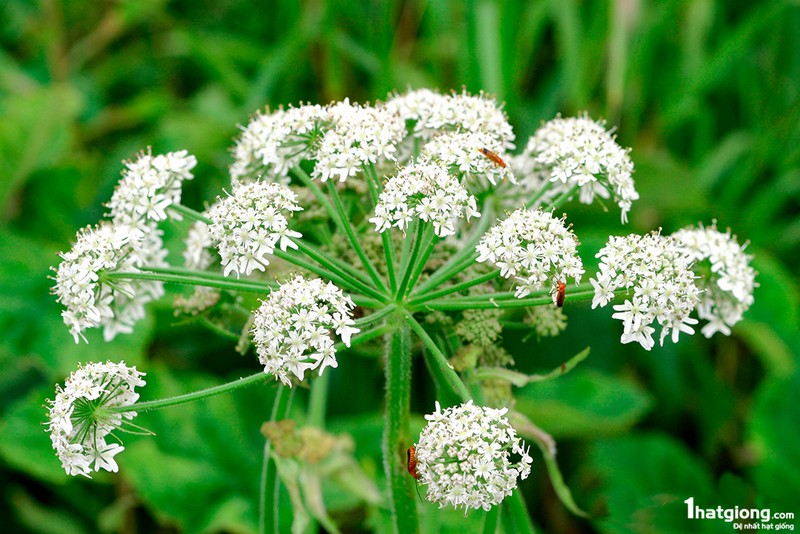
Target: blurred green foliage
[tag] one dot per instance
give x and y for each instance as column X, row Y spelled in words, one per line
column 706, row 93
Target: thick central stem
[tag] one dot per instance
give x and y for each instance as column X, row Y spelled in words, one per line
column 396, row 438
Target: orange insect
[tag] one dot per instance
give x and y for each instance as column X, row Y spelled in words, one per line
column 412, row 462
column 497, row 160
column 562, row 291
column 412, row 467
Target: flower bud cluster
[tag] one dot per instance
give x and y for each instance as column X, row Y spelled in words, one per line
column 249, row 223
column 425, row 191
column 79, row 419
column 728, row 280
column 579, row 151
column 291, row 328
column 659, row 274
column 535, row 248
column 464, row 456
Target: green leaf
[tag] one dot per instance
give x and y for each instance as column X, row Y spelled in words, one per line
column 770, row 326
column 34, row 132
column 44, row 519
column 642, row 482
column 25, row 444
column 583, row 403
column 774, row 434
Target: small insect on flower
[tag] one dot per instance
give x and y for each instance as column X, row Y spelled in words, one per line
column 411, row 455
column 562, row 291
column 497, row 160
column 412, row 462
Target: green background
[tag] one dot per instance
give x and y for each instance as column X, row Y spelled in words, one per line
column 707, row 95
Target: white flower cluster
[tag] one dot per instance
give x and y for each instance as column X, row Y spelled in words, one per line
column 660, row 274
column 90, row 299
column 272, row 143
column 357, row 136
column 291, row 328
column 578, row 151
column 728, row 280
column 461, row 151
column 424, row 190
column 341, row 138
column 149, row 185
column 249, row 223
column 429, row 113
column 79, row 418
column 534, row 245
column 463, row 456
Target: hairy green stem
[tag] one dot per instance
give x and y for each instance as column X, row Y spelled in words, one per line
column 340, row 278
column 223, row 283
column 205, row 321
column 190, row 213
column 375, row 317
column 351, row 236
column 331, row 263
column 386, row 236
column 461, row 259
column 395, row 433
column 539, row 194
column 438, row 363
column 195, row 395
column 454, row 289
column 422, row 229
column 429, row 240
column 363, row 337
column 563, row 197
column 307, row 181
column 470, row 303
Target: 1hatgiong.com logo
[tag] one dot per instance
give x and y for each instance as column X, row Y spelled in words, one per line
column 747, row 518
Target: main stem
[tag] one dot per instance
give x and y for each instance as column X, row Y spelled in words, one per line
column 395, row 434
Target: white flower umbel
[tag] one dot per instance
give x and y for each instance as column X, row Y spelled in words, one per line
column 90, row 299
column 658, row 273
column 249, row 223
column 461, row 151
column 428, row 113
column 578, row 151
column 725, row 276
column 464, row 456
column 149, row 185
column 356, row 136
column 291, row 328
column 535, row 248
column 80, row 420
column 272, row 143
column 425, row 191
